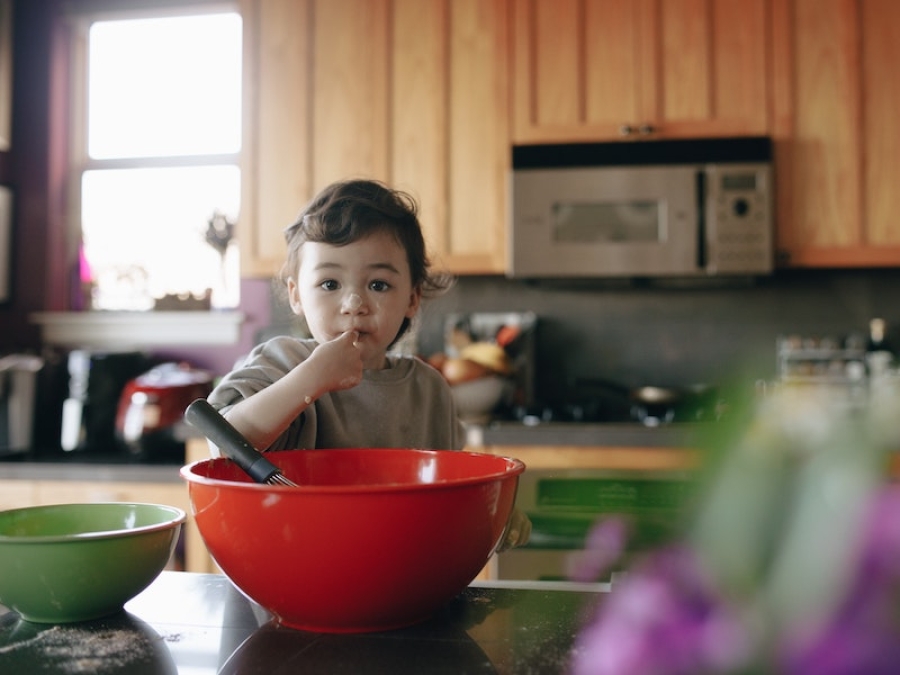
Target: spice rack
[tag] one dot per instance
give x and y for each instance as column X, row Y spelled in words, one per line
column 821, row 361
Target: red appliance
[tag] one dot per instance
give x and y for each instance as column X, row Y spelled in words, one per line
column 150, row 416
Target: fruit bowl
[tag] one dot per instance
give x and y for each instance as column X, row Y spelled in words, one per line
column 372, row 539
column 476, row 399
column 74, row 562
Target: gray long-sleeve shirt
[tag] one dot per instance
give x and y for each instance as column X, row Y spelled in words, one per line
column 407, row 405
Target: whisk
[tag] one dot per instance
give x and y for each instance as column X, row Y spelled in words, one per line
column 206, row 419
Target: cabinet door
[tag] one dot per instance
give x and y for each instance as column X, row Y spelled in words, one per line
column 450, row 127
column 350, row 89
column 277, row 171
column 881, row 136
column 66, row 491
column 588, row 70
column 316, row 108
column 410, row 93
column 473, row 237
column 17, row 494
column 837, row 146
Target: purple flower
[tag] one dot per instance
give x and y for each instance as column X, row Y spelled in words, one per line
column 664, row 617
column 863, row 635
column 847, row 647
column 603, row 547
column 881, row 547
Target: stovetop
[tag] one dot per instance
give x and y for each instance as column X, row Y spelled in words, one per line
column 588, row 434
column 589, row 425
column 587, row 413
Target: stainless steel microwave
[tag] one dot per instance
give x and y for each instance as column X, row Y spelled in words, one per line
column 680, row 208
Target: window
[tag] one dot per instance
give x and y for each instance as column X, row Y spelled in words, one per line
column 156, row 158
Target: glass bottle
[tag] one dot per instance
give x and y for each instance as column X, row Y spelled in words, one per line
column 879, row 353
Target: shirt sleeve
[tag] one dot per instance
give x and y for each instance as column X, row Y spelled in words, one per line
column 266, row 363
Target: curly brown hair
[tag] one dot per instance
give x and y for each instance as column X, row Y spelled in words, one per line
column 347, row 211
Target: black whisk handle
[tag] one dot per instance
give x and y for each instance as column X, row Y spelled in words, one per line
column 206, row 419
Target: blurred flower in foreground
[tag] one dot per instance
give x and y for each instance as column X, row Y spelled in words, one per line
column 604, row 546
column 664, row 617
column 789, row 564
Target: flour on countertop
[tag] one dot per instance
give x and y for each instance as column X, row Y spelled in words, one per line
column 76, row 650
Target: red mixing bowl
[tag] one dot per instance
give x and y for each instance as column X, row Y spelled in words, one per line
column 372, row 539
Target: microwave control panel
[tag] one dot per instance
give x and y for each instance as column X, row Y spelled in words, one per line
column 738, row 217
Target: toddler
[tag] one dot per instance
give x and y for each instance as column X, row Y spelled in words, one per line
column 356, row 271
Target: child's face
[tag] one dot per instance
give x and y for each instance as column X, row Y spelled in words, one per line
column 363, row 286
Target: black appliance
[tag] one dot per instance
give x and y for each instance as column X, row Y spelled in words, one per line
column 96, row 381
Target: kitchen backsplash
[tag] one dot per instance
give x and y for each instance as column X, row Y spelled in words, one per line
column 641, row 334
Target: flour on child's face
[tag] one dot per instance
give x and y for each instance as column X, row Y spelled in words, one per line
column 352, row 302
column 364, row 286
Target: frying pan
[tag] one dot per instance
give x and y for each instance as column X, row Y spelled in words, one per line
column 653, row 404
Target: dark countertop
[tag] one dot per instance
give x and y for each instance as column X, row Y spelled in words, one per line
column 199, row 623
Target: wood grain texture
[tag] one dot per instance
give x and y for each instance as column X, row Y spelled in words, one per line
column 479, row 136
column 278, row 91
column 419, row 111
column 614, row 64
column 685, row 68
column 411, row 93
column 881, row 131
column 351, row 91
column 826, row 167
column 837, row 146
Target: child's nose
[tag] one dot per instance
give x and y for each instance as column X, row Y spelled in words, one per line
column 352, row 303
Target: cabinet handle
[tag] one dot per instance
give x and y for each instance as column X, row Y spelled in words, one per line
column 642, row 130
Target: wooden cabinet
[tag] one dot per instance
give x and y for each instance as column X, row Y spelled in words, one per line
column 837, row 143
column 429, row 96
column 16, row 494
column 585, row 70
column 411, row 93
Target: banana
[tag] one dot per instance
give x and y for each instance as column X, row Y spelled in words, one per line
column 488, row 355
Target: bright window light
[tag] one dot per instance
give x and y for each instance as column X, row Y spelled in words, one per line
column 144, row 233
column 163, row 101
column 166, row 86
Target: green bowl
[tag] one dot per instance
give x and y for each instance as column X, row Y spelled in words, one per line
column 74, row 562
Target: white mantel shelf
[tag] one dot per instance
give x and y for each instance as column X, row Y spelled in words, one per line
column 129, row 330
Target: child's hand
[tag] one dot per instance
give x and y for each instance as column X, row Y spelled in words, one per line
column 518, row 531
column 339, row 362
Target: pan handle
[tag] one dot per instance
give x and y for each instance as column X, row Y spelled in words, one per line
column 206, row 419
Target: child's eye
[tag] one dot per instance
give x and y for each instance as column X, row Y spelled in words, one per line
column 330, row 285
column 379, row 286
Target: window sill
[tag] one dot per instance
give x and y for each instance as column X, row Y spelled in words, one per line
column 127, row 330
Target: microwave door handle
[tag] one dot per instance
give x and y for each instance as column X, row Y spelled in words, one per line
column 702, row 254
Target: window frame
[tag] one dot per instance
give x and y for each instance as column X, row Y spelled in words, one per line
column 79, row 161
